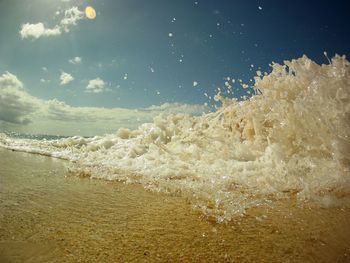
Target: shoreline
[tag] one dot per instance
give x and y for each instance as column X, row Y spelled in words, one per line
column 47, row 215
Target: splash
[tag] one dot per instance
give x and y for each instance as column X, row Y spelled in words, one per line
column 291, row 139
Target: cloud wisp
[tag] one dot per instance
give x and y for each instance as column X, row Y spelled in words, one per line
column 65, row 78
column 75, row 60
column 71, row 17
column 38, row 30
column 96, row 86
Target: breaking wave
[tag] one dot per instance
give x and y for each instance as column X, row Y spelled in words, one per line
column 292, row 139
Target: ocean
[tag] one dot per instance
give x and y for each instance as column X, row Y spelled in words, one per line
column 271, row 172
column 291, row 138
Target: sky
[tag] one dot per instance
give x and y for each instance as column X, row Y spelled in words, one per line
column 63, row 73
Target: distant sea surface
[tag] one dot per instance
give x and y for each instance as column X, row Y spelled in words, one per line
column 17, row 135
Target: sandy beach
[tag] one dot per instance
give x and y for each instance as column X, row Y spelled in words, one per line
column 47, row 215
column 174, row 131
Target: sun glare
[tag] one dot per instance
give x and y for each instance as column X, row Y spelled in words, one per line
column 90, row 12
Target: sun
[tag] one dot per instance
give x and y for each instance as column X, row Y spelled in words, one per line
column 90, row 12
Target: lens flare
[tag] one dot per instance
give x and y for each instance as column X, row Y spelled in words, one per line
column 90, row 12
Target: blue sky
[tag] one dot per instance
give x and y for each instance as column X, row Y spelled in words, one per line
column 151, row 52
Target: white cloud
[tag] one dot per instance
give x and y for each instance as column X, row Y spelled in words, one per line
column 35, row 31
column 65, row 78
column 19, row 111
column 38, row 30
column 96, row 86
column 75, row 60
column 16, row 105
column 10, row 81
column 71, row 16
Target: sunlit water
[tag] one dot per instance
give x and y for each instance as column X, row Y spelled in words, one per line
column 47, row 215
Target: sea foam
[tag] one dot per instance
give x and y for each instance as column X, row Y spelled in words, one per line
column 291, row 139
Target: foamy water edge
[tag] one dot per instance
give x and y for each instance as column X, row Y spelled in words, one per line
column 293, row 139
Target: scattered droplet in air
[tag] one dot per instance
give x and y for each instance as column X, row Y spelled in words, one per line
column 260, row 8
column 90, row 12
column 170, row 34
column 195, row 83
column 326, row 55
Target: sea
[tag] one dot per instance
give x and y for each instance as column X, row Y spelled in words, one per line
column 282, row 155
column 290, row 139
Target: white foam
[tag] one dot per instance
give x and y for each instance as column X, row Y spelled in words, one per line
column 294, row 138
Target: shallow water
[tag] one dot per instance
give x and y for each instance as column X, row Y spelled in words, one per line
column 46, row 215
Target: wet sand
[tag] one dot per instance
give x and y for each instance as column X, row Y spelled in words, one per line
column 46, row 215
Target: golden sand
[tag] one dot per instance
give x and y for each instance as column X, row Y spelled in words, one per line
column 48, row 216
